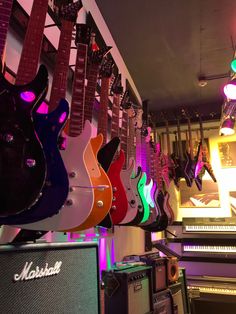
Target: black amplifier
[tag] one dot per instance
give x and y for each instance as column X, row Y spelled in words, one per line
column 49, row 278
column 159, row 270
column 128, row 291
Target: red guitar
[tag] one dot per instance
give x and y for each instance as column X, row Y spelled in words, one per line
column 119, row 203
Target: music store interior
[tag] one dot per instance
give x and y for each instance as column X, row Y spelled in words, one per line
column 118, row 156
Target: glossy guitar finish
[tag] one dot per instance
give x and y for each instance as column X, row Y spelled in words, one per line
column 132, row 211
column 120, row 203
column 22, row 163
column 103, row 195
column 81, row 196
column 56, row 187
column 141, row 191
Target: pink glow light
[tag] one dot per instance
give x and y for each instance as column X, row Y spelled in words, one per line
column 43, row 108
column 62, row 117
column 230, row 91
column 28, row 96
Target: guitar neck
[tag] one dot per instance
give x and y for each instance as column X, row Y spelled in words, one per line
column 92, row 77
column 181, row 155
column 59, row 83
column 168, row 138
column 5, row 13
column 77, row 118
column 102, row 113
column 148, row 160
column 124, row 134
column 115, row 116
column 131, row 149
column 32, row 44
column 190, row 140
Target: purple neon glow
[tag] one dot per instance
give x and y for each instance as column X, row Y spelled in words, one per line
column 113, row 259
column 230, row 91
column 43, row 108
column 197, row 169
column 102, row 255
column 62, row 117
column 28, row 96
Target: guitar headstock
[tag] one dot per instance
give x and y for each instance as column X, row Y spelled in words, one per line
column 117, row 87
column 139, row 118
column 96, row 56
column 125, row 104
column 107, row 67
column 148, row 134
column 83, row 34
column 69, row 11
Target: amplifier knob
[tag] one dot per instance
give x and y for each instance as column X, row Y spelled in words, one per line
column 99, row 203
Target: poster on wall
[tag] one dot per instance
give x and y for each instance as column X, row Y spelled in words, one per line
column 192, row 197
column 227, row 152
column 232, row 202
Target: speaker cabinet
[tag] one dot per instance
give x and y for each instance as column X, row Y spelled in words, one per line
column 172, row 269
column 182, row 280
column 128, row 291
column 49, row 278
column 163, row 302
column 159, row 274
column 177, row 295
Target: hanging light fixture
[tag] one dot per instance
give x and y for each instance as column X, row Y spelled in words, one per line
column 227, row 126
column 230, row 90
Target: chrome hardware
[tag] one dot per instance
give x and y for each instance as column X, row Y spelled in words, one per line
column 113, row 207
column 69, row 202
column 113, row 198
column 114, row 189
column 71, row 189
column 99, row 203
column 30, row 163
column 72, row 174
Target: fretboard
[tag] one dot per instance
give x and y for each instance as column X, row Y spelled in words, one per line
column 59, row 83
column 124, row 135
column 143, row 156
column 131, row 149
column 92, row 77
column 102, row 113
column 78, row 92
column 115, row 116
column 32, row 44
column 5, row 13
column 138, row 148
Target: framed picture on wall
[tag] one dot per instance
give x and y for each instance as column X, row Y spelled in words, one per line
column 192, row 197
column 232, row 202
column 227, row 152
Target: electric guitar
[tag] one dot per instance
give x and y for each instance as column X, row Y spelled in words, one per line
column 133, row 215
column 5, row 13
column 100, row 180
column 23, row 165
column 119, row 202
column 202, row 158
column 48, row 128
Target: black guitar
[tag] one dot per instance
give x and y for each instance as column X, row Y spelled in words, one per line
column 22, row 160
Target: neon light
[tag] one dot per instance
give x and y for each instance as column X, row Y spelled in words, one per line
column 233, row 65
column 113, row 259
column 230, row 91
column 43, row 108
column 102, row 254
column 28, row 96
column 108, row 258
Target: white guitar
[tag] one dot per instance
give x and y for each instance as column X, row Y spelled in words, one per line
column 81, row 196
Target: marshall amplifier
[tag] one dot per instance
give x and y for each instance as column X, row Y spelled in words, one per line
column 128, row 291
column 49, row 278
column 159, row 274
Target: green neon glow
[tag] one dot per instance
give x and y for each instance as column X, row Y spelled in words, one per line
column 141, row 185
column 108, row 259
column 233, row 65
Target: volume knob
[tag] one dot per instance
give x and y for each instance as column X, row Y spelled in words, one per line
column 99, row 203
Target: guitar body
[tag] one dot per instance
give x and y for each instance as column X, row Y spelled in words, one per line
column 120, row 203
column 56, row 187
column 161, row 222
column 81, row 197
column 132, row 199
column 22, row 162
column 102, row 196
column 141, row 192
column 203, row 162
column 168, row 209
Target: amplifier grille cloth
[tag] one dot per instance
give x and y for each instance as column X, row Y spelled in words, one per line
column 73, row 290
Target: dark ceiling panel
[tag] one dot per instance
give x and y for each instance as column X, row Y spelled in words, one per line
column 166, row 44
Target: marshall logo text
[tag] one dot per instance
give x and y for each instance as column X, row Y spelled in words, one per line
column 29, row 274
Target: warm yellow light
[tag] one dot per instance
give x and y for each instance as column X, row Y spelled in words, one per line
column 226, row 131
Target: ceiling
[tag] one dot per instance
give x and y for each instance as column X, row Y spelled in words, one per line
column 167, row 44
